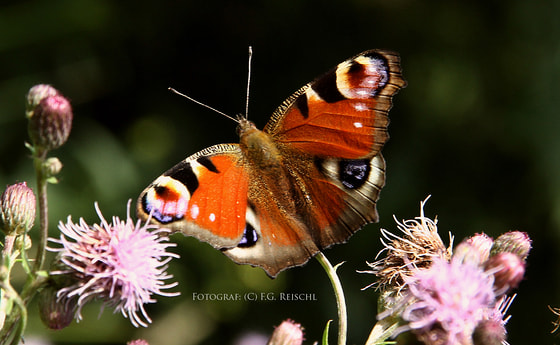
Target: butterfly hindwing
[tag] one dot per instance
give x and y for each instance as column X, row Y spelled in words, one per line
column 333, row 198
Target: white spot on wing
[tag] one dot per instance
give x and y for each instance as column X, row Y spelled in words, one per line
column 360, row 107
column 358, row 125
column 194, row 211
column 212, row 217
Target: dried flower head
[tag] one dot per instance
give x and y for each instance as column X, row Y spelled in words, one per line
column 556, row 323
column 50, row 117
column 17, row 209
column 416, row 249
column 123, row 264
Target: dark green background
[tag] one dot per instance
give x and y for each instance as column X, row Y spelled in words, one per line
column 477, row 128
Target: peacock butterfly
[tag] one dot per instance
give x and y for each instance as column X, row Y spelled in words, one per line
column 309, row 180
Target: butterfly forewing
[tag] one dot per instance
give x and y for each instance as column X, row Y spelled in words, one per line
column 344, row 112
column 204, row 196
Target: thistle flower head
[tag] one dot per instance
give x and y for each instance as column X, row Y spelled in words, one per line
column 50, row 117
column 417, row 248
column 446, row 302
column 17, row 209
column 445, row 296
column 121, row 263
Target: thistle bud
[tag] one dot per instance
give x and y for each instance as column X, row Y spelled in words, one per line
column 465, row 252
column 508, row 270
column 36, row 94
column 475, row 249
column 50, row 117
column 288, row 333
column 489, row 332
column 17, row 208
column 52, row 166
column 483, row 243
column 55, row 314
column 515, row 242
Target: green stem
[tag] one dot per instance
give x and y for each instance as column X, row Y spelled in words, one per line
column 39, row 159
column 16, row 318
column 339, row 294
column 5, row 273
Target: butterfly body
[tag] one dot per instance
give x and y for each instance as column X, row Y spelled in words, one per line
column 309, row 180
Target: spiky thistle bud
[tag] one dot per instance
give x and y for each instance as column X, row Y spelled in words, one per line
column 483, row 244
column 36, row 94
column 52, row 166
column 50, row 117
column 55, row 313
column 17, row 208
column 508, row 270
column 515, row 242
column 489, row 332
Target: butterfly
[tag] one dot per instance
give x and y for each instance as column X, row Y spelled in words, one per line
column 310, row 179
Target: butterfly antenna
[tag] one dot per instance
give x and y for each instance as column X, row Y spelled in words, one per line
column 202, row 104
column 248, row 83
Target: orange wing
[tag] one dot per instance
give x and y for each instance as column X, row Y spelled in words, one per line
column 203, row 196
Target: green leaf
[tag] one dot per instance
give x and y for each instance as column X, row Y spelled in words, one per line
column 382, row 330
column 52, row 180
column 325, row 340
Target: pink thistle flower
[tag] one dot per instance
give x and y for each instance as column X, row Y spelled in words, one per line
column 122, row 263
column 445, row 302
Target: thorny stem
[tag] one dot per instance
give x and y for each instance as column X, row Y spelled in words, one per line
column 339, row 294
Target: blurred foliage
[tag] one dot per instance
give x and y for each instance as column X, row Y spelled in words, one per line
column 477, row 128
